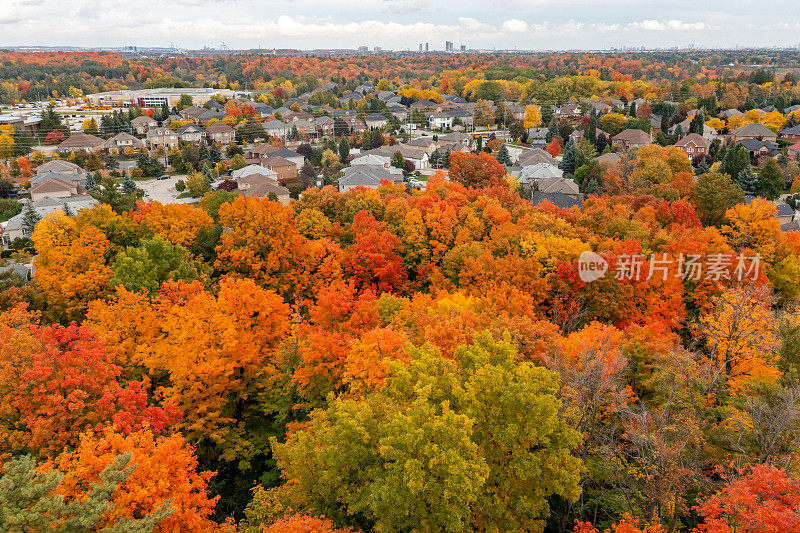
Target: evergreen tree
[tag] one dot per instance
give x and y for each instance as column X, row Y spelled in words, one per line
column 736, row 159
column 747, row 180
column 91, row 183
column 29, row 219
column 398, row 161
column 128, row 185
column 503, row 157
column 203, row 152
column 569, row 158
column 698, row 123
column 216, row 154
column 770, row 185
column 30, row 502
column 436, row 158
column 344, row 149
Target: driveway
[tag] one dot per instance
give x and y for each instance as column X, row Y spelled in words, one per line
column 162, row 191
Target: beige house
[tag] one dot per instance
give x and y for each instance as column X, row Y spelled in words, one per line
column 631, row 138
column 141, row 125
column 221, row 133
column 162, row 138
column 56, row 188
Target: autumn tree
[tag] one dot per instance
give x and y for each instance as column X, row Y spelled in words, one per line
column 32, row 502
column 475, row 170
column 763, row 499
column 71, row 268
column 713, row 195
column 445, row 424
column 165, row 476
column 57, row 382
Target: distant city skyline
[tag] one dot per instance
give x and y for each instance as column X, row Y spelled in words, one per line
column 400, row 24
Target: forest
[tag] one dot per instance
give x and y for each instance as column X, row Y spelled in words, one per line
column 379, row 361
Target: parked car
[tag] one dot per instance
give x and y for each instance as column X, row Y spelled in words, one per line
column 164, row 177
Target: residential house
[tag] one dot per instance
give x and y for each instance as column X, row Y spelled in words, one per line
column 375, row 120
column 537, row 137
column 286, row 170
column 61, row 166
column 440, row 121
column 14, row 227
column 373, row 160
column 81, row 141
column 162, row 138
column 463, row 139
column 693, row 145
column 426, row 143
column 755, row 130
column 221, row 133
column 191, row 133
column 292, row 156
column 609, row 159
column 323, row 126
column 210, row 115
column 255, row 169
column 539, row 171
column 759, row 147
column 261, row 186
column 260, row 151
column 275, row 128
column 793, row 152
column 121, row 141
column 56, row 188
column 355, row 124
column 368, row 176
column 630, row 139
column 461, row 117
column 791, row 135
column 416, row 155
column 191, row 112
column 141, row 124
column 64, row 176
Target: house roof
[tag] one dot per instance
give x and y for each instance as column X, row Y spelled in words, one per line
column 755, row 145
column 189, row 128
column 55, row 185
column 698, row 141
column 80, row 140
column 608, row 159
column 783, row 210
column 276, row 161
column 142, row 119
column 219, row 127
column 59, row 165
column 373, row 117
column 795, row 130
column 47, row 176
column 557, row 198
column 124, row 137
column 253, row 169
column 634, row 136
column 756, row 129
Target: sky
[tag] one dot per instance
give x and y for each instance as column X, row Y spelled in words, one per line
column 400, row 24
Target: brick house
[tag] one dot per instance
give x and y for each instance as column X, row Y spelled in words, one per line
column 693, row 145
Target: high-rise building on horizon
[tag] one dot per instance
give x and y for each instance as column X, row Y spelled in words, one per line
column 426, row 47
column 448, row 46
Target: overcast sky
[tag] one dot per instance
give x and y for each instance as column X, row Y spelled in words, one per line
column 400, row 24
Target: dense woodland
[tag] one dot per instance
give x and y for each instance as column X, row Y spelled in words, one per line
column 381, row 360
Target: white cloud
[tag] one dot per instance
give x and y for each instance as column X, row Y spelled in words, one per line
column 515, row 26
column 663, row 25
